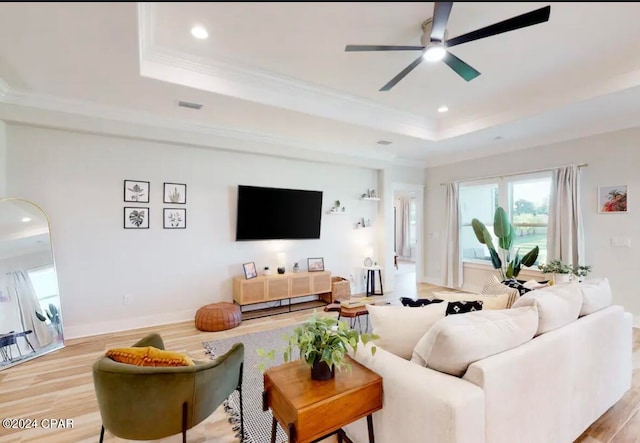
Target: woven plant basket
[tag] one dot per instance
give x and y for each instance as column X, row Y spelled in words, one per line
column 340, row 290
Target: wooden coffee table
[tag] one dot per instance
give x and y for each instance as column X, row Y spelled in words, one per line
column 310, row 410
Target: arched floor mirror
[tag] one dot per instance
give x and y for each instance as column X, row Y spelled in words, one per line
column 30, row 314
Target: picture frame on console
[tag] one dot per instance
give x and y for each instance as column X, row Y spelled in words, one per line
column 250, row 270
column 136, row 191
column 315, row 264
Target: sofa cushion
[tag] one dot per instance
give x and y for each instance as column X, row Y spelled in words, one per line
column 489, row 301
column 558, row 305
column 148, row 356
column 406, row 301
column 596, row 295
column 400, row 327
column 455, row 342
column 463, row 307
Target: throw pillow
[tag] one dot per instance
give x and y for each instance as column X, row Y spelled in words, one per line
column 406, row 301
column 493, row 286
column 400, row 327
column 455, row 342
column 533, row 284
column 462, row 307
column 515, row 284
column 557, row 305
column 495, row 301
column 149, row 356
column 596, row 295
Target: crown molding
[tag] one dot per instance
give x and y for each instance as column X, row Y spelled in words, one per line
column 216, row 137
column 248, row 83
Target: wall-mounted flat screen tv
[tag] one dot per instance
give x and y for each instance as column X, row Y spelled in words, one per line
column 278, row 214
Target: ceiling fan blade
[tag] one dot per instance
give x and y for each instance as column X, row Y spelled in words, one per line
column 521, row 21
column 382, row 48
column 441, row 11
column 462, row 69
column 402, row 74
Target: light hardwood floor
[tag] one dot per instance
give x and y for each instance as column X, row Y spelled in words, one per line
column 59, row 385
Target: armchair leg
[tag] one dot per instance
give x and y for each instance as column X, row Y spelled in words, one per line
column 101, row 434
column 184, row 422
column 241, row 408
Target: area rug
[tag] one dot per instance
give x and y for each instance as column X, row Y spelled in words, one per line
column 257, row 423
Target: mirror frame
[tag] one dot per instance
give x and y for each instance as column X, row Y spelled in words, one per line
column 62, row 343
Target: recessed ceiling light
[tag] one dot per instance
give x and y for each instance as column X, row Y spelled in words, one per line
column 199, row 32
column 442, row 109
column 383, row 142
column 25, row 219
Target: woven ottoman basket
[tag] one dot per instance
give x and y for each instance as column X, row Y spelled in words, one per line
column 218, row 317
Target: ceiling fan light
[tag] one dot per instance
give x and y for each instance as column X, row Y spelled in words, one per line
column 434, row 53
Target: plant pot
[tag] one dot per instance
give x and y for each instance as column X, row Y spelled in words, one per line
column 320, row 371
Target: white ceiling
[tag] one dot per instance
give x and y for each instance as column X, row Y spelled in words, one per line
column 277, row 73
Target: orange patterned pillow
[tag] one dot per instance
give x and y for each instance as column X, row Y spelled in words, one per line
column 149, row 356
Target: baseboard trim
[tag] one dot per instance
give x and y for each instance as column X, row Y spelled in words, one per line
column 105, row 327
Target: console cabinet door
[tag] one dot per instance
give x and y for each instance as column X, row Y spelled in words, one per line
column 320, row 282
column 277, row 288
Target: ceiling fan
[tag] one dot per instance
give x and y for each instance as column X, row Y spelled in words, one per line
column 435, row 44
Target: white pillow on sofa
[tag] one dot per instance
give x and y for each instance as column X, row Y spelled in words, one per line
column 596, row 295
column 456, row 341
column 558, row 305
column 400, row 327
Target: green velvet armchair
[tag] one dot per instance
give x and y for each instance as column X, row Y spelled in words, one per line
column 149, row 403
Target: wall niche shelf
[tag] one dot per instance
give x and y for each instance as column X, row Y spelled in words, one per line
column 370, row 198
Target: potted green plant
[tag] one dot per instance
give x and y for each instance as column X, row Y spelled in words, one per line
column 568, row 271
column 323, row 343
column 502, row 258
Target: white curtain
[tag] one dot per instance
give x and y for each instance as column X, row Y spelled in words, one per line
column 565, row 233
column 404, row 247
column 29, row 304
column 452, row 269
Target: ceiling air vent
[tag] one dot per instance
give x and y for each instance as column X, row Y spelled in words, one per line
column 383, row 142
column 189, row 105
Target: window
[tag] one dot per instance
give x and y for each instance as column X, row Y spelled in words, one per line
column 526, row 200
column 44, row 283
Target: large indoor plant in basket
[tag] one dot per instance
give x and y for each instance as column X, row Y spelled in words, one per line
column 323, row 343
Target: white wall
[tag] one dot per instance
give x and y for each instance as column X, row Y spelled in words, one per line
column 78, row 179
column 612, row 159
column 3, row 160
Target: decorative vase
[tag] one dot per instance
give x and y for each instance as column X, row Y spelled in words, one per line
column 320, row 371
column 281, row 270
column 296, row 267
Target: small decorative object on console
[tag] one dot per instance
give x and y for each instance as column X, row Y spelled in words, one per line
column 266, row 271
column 296, row 267
column 281, row 270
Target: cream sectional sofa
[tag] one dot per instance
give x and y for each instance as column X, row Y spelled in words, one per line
column 548, row 389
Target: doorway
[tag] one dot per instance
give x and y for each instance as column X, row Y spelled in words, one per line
column 407, row 238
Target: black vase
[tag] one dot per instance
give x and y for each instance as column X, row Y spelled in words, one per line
column 320, row 371
column 281, row 270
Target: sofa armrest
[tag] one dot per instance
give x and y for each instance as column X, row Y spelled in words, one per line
column 420, row 404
